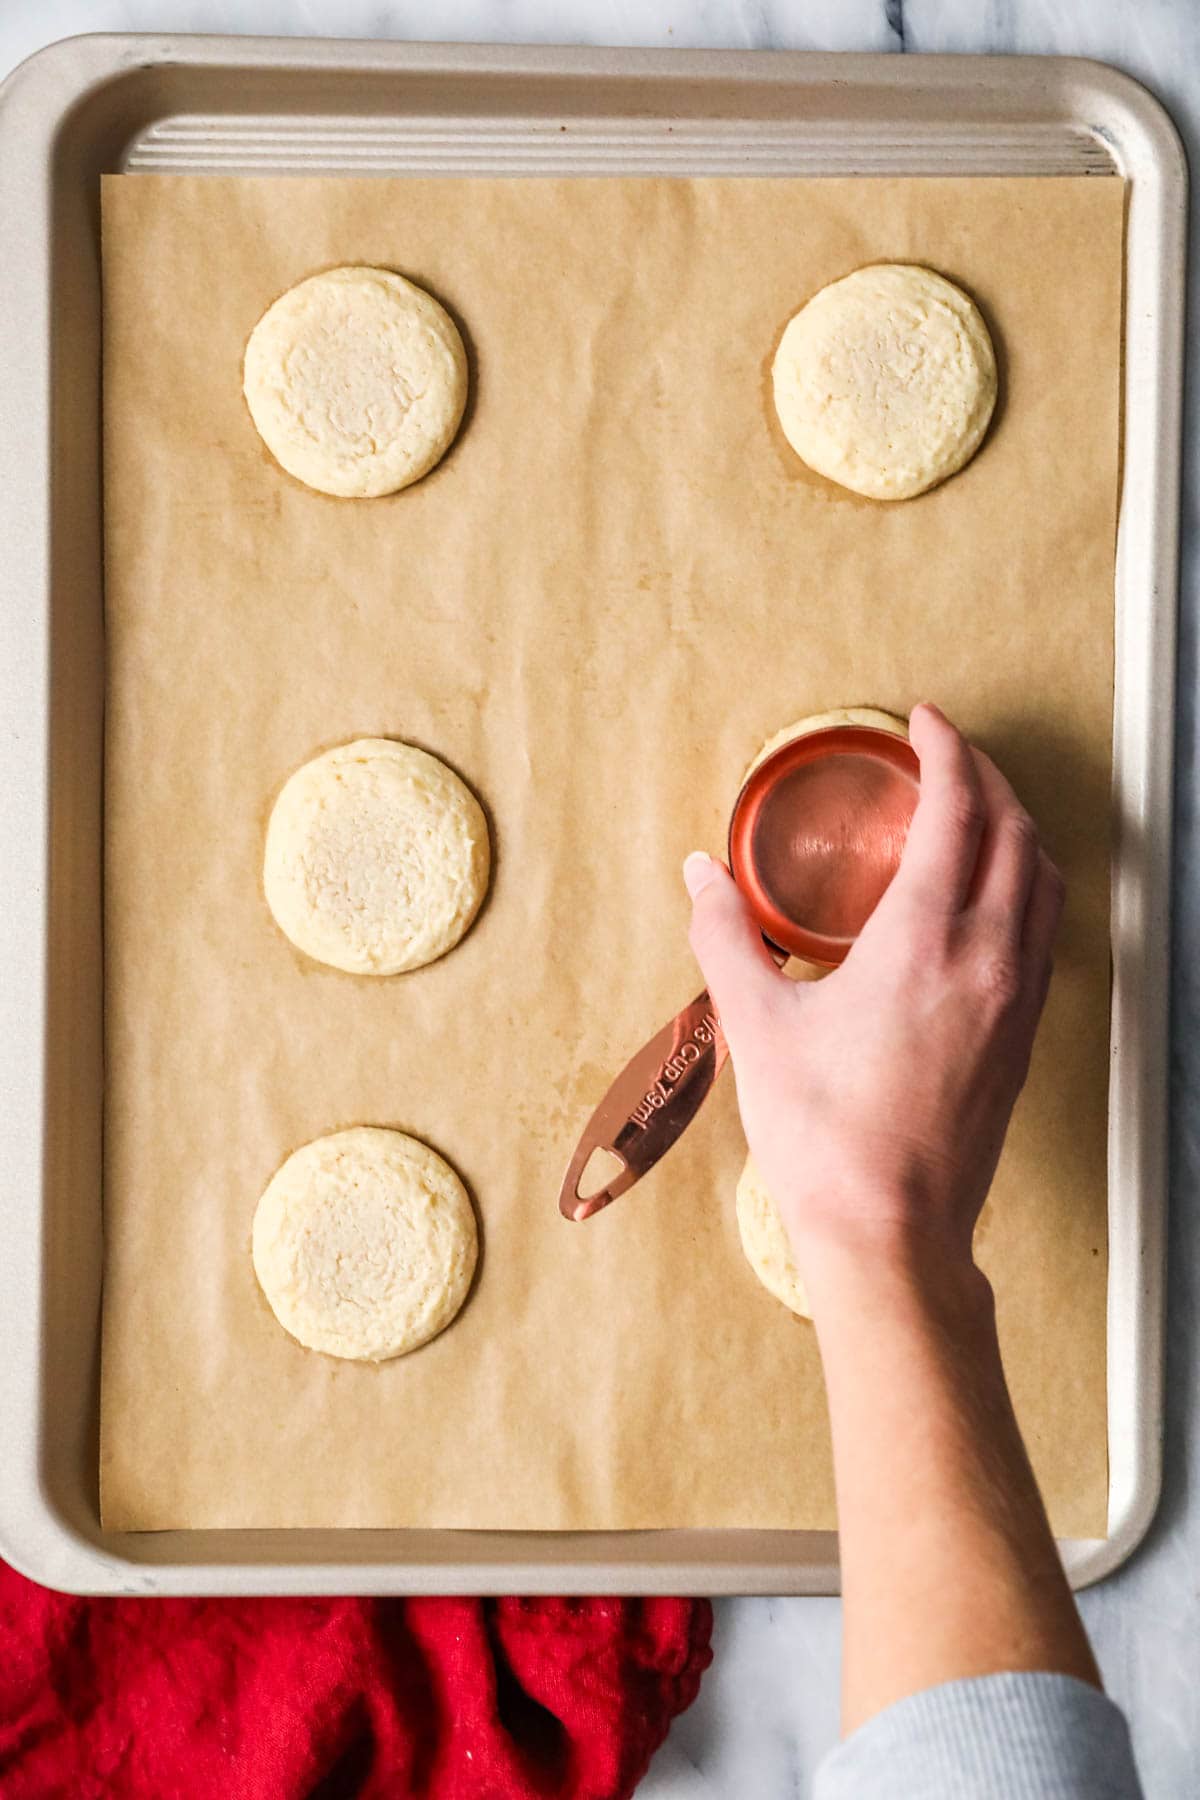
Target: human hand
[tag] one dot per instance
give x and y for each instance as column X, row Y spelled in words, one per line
column 876, row 1101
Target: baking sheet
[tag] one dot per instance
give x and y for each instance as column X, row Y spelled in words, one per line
column 615, row 587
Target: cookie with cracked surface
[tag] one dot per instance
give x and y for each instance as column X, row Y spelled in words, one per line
column 885, row 381
column 364, row 1244
column 377, row 857
column 356, row 380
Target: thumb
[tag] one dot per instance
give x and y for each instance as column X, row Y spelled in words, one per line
column 728, row 945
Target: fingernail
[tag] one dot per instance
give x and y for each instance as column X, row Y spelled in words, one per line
column 698, row 870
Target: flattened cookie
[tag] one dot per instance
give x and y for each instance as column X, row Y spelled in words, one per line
column 364, row 1244
column 886, row 380
column 871, row 716
column 356, row 381
column 377, row 857
column 766, row 1243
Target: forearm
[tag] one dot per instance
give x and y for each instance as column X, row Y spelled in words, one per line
column 948, row 1565
column 875, row 1103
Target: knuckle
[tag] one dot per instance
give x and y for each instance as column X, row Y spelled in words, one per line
column 998, row 977
column 1022, row 833
column 964, row 812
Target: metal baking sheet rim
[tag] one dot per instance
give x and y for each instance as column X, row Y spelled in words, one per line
column 804, row 113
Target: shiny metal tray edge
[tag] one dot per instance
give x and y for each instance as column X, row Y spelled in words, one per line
column 92, row 104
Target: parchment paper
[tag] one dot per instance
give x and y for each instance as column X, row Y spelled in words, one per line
column 617, row 585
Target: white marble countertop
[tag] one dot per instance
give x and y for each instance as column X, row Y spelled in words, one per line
column 768, row 1709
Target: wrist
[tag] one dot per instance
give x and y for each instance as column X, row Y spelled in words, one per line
column 889, row 1270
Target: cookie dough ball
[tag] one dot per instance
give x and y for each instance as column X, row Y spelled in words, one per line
column 886, row 380
column 364, row 1244
column 766, row 1243
column 377, row 857
column 356, row 381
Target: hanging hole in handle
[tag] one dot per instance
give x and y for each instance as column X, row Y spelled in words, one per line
column 601, row 1167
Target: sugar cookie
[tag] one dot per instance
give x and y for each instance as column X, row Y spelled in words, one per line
column 364, row 1244
column 356, row 381
column 766, row 1243
column 885, row 381
column 377, row 857
column 871, row 716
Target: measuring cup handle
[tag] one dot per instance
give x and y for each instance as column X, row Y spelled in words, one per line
column 648, row 1107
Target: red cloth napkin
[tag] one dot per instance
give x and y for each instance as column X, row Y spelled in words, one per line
column 338, row 1699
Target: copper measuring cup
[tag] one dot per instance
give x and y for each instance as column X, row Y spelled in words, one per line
column 815, row 836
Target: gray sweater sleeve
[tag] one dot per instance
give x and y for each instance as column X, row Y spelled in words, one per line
column 1000, row 1737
